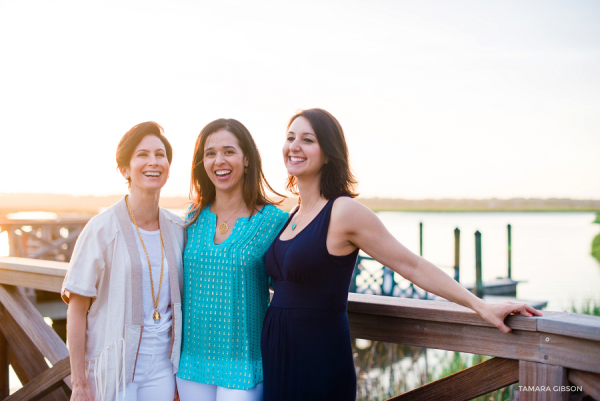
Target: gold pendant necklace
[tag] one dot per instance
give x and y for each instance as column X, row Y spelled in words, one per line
column 156, row 315
column 223, row 227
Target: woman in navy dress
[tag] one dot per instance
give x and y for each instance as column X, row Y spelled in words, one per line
column 306, row 349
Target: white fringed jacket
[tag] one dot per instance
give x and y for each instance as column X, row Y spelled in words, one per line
column 106, row 266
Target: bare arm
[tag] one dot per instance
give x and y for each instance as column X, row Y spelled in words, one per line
column 76, row 328
column 357, row 226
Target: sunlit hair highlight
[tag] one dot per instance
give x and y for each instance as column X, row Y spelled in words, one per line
column 202, row 189
column 336, row 176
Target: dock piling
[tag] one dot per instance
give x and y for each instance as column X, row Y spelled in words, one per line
column 478, row 278
column 421, row 238
column 457, row 254
column 509, row 228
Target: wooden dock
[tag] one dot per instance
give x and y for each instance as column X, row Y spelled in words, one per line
column 370, row 277
column 43, row 239
column 556, row 351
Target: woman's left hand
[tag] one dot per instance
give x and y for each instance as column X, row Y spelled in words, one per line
column 496, row 313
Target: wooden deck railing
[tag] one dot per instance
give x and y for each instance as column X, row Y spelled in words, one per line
column 544, row 354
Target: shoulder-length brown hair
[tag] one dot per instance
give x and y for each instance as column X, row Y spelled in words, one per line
column 202, row 190
column 132, row 139
column 336, row 177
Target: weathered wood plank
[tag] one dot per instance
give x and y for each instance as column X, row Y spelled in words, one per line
column 44, row 267
column 31, row 235
column 27, row 361
column 437, row 311
column 4, row 363
column 46, row 250
column 32, row 324
column 570, row 324
column 448, row 336
column 589, row 381
column 575, row 353
column 31, row 280
column 33, row 327
column 13, row 248
column 37, row 223
column 45, row 383
column 473, row 382
column 18, row 367
column 541, row 382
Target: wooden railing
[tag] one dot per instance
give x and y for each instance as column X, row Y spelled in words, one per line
column 43, row 239
column 544, row 354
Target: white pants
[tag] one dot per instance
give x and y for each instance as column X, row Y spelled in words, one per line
column 153, row 380
column 194, row 391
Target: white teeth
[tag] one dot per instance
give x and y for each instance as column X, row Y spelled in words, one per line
column 296, row 159
column 152, row 174
column 222, row 173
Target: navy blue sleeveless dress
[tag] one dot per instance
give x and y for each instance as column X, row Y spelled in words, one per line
column 306, row 349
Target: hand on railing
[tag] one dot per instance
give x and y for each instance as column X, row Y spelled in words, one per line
column 496, row 313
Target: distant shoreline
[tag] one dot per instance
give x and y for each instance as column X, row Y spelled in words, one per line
column 11, row 203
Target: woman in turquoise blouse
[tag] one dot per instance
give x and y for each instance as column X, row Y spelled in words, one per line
column 225, row 287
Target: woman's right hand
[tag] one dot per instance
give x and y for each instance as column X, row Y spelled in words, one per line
column 82, row 393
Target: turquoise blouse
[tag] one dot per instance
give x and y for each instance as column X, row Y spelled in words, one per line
column 225, row 298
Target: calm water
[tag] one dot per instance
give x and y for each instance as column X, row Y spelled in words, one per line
column 549, row 250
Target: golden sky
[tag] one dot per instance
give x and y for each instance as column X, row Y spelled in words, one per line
column 464, row 99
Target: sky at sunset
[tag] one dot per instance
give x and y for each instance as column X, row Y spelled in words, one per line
column 461, row 99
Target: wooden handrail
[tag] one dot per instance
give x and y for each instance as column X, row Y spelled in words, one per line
column 563, row 323
column 557, row 342
column 38, row 274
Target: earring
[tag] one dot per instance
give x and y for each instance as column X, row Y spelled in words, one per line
column 245, row 170
column 126, row 176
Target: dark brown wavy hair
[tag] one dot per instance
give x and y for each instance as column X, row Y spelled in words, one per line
column 202, row 190
column 132, row 139
column 336, row 177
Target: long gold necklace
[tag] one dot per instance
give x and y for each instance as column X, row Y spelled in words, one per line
column 156, row 315
column 223, row 227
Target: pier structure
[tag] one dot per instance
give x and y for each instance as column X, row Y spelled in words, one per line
column 370, row 277
column 548, row 356
column 45, row 239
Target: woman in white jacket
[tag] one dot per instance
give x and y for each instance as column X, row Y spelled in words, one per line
column 124, row 284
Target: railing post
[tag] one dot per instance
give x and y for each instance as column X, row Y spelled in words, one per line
column 457, row 254
column 509, row 228
column 478, row 278
column 421, row 238
column 538, row 381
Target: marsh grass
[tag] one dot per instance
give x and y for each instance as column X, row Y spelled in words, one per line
column 588, row 307
column 456, row 361
column 385, row 370
column 596, row 241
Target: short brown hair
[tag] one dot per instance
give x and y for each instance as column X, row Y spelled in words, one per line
column 202, row 190
column 132, row 139
column 336, row 177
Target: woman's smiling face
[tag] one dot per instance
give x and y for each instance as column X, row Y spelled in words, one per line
column 224, row 161
column 149, row 166
column 302, row 154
